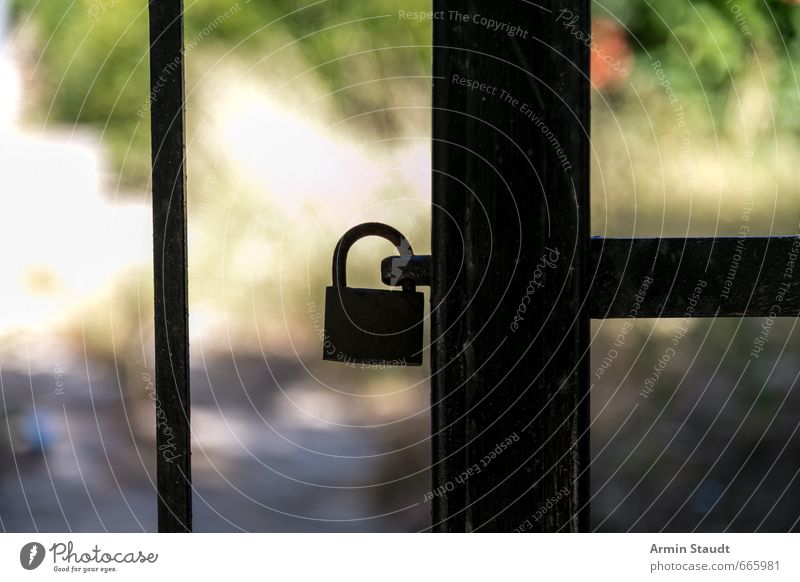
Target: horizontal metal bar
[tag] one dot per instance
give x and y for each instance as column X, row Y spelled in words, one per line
column 674, row 277
column 695, row 277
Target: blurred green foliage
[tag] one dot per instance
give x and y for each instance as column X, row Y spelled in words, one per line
column 706, row 46
column 93, row 69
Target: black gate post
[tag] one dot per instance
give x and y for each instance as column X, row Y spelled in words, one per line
column 510, row 322
column 170, row 266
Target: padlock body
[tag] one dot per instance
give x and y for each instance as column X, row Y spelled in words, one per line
column 373, row 326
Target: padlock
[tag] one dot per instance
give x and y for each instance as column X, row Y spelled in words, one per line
column 372, row 326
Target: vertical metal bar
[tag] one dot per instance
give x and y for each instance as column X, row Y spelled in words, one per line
column 170, row 266
column 510, row 243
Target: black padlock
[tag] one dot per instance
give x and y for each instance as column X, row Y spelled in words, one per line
column 372, row 326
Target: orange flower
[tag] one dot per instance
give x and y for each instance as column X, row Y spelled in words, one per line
column 611, row 54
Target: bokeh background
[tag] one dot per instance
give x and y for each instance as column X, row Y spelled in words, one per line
column 306, row 118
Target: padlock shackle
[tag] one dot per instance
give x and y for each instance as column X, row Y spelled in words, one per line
column 355, row 234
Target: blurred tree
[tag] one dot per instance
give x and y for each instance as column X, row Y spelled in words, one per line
column 706, row 46
column 92, row 61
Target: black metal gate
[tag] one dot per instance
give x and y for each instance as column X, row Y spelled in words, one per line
column 510, row 386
